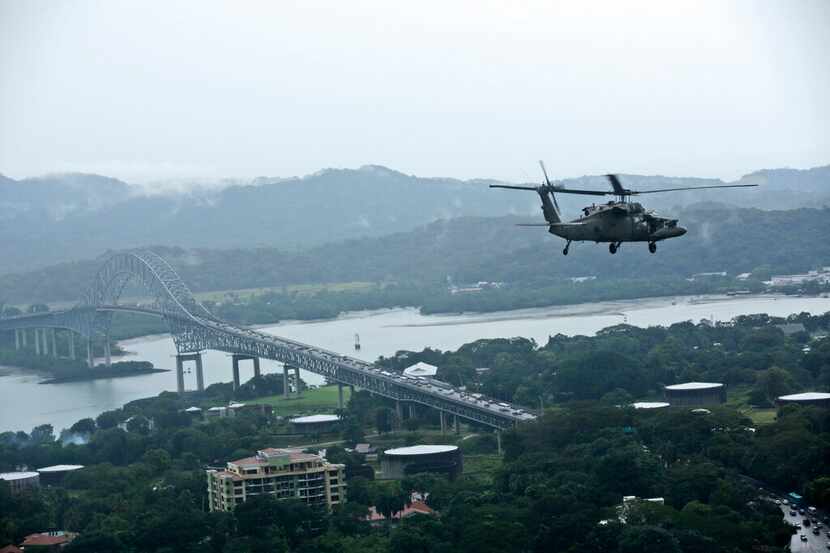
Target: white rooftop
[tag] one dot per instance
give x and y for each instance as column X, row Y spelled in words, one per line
column 806, row 396
column 694, row 386
column 421, row 450
column 421, row 369
column 193, row 409
column 9, row 476
column 60, row 468
column 650, row 404
column 315, row 418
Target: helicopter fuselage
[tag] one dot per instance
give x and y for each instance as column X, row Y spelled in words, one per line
column 617, row 222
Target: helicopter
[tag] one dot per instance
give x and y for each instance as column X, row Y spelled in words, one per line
column 617, row 221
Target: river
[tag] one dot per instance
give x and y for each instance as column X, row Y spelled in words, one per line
column 24, row 403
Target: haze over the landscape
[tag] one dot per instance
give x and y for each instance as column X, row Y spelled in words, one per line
column 263, row 290
column 207, row 90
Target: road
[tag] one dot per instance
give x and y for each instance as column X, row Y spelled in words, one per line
column 814, row 544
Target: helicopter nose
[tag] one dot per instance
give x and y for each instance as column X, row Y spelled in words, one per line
column 678, row 231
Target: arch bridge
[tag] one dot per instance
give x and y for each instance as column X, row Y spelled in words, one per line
column 195, row 329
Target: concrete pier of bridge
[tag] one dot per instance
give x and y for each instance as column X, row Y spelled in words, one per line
column 200, row 378
column 236, row 358
column 286, row 388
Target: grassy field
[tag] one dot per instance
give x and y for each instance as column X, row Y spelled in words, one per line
column 319, row 400
column 245, row 293
column 738, row 398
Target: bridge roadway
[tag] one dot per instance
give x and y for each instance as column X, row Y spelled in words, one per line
column 211, row 333
column 194, row 329
column 349, row 370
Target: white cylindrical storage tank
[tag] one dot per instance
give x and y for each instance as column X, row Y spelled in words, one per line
column 695, row 393
column 403, row 461
column 315, row 424
column 818, row 399
column 20, row 482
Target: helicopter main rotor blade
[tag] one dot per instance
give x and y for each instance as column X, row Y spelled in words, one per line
column 544, row 172
column 512, row 187
column 616, row 185
column 554, row 189
column 634, row 192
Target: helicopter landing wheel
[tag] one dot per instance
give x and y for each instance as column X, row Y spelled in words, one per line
column 612, row 247
column 652, row 247
column 567, row 246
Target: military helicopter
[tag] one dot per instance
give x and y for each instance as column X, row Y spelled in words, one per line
column 617, row 221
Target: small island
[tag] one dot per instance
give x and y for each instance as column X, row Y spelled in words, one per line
column 116, row 370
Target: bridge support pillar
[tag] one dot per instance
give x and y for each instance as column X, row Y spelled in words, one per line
column 179, row 374
column 411, row 410
column 54, row 344
column 398, row 412
column 285, row 390
column 297, row 380
column 236, row 358
column 457, row 424
column 89, row 359
column 44, row 336
column 23, row 336
column 235, row 363
column 37, row 341
column 340, row 403
column 16, row 338
column 180, row 360
column 443, row 422
column 71, row 339
column 107, row 351
column 498, row 440
column 200, row 375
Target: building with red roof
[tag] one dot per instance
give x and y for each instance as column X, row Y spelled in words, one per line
column 47, row 541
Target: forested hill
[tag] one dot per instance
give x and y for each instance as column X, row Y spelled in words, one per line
column 68, row 217
column 491, row 249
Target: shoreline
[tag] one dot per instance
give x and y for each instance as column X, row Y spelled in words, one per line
column 101, row 375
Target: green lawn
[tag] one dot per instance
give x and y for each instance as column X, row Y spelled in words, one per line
column 245, row 293
column 323, row 399
column 738, row 398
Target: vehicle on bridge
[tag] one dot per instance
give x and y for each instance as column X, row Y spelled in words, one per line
column 195, row 329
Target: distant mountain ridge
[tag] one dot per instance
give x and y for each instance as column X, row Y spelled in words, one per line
column 471, row 249
column 58, row 218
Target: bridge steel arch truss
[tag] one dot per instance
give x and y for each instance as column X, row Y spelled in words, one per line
column 194, row 329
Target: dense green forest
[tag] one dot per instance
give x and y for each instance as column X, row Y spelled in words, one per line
column 557, row 488
column 561, row 476
column 64, row 217
column 626, row 362
column 469, row 250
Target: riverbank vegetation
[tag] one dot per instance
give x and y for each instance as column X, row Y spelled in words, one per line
column 624, row 362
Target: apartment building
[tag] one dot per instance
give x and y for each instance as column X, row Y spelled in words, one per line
column 283, row 473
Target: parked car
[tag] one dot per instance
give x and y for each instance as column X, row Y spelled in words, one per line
column 803, row 537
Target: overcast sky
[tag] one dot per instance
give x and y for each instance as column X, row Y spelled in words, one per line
column 150, row 90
